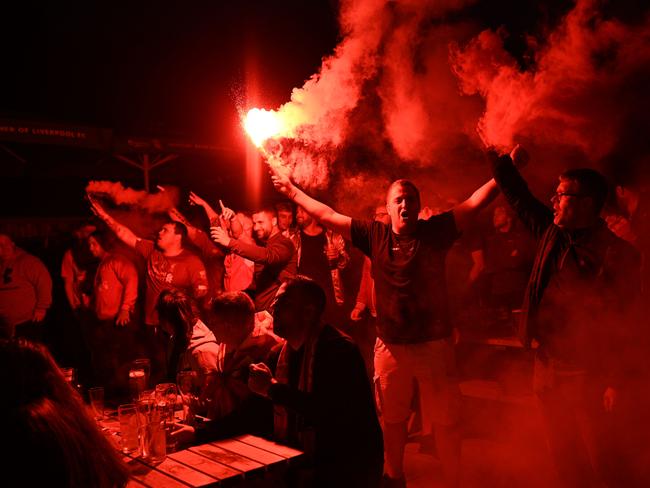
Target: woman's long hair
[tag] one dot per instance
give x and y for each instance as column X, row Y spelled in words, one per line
column 178, row 313
column 51, row 438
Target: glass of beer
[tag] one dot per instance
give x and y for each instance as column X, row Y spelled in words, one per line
column 128, row 417
column 139, row 377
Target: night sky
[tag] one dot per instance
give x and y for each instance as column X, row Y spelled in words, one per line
column 169, row 69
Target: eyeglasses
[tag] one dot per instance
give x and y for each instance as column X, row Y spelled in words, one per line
column 379, row 215
column 559, row 195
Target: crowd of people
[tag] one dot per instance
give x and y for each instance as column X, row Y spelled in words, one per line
column 281, row 346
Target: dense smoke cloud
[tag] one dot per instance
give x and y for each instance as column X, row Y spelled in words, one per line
column 415, row 89
column 575, row 94
column 120, row 195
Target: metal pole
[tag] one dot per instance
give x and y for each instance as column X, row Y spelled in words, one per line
column 145, row 169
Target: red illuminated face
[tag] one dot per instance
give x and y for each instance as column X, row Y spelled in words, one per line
column 571, row 208
column 263, row 225
column 303, row 219
column 403, row 208
column 285, row 219
column 95, row 248
column 167, row 237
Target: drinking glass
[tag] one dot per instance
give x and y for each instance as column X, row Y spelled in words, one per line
column 151, row 431
column 96, row 397
column 166, row 396
column 145, row 365
column 153, row 442
column 139, row 377
column 128, row 417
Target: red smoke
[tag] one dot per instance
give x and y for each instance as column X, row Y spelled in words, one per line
column 415, row 89
column 575, row 93
column 157, row 202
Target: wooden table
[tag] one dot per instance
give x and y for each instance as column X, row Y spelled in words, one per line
column 242, row 461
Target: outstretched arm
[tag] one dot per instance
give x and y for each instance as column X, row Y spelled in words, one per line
column 229, row 220
column 209, row 211
column 123, row 233
column 325, row 215
column 465, row 212
column 534, row 214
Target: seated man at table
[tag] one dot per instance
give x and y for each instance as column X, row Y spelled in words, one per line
column 230, row 405
column 323, row 400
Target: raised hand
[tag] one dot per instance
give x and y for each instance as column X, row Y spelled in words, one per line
column 226, row 213
column 96, row 208
column 220, row 236
column 197, row 200
column 281, row 180
column 519, row 156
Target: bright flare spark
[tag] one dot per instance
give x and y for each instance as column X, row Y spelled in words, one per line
column 261, row 125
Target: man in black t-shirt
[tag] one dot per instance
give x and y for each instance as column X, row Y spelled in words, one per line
column 321, row 256
column 413, row 324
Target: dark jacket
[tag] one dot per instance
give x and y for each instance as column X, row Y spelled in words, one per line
column 340, row 410
column 275, row 263
column 591, row 272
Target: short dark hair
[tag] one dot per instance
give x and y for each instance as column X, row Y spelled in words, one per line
column 268, row 210
column 592, row 184
column 179, row 228
column 105, row 239
column 403, row 183
column 234, row 304
column 283, row 207
column 309, row 289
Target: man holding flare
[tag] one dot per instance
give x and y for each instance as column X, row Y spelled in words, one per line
column 413, row 324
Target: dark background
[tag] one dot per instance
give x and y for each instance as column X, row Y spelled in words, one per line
column 172, row 69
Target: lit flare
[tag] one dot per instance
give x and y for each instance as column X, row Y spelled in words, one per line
column 261, row 125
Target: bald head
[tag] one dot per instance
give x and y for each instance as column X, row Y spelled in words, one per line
column 403, row 206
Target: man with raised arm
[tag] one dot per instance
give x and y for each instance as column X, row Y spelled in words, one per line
column 579, row 308
column 169, row 266
column 273, row 254
column 413, row 326
column 212, row 255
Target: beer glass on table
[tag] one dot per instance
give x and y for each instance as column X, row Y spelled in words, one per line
column 139, row 377
column 128, row 417
column 165, row 397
